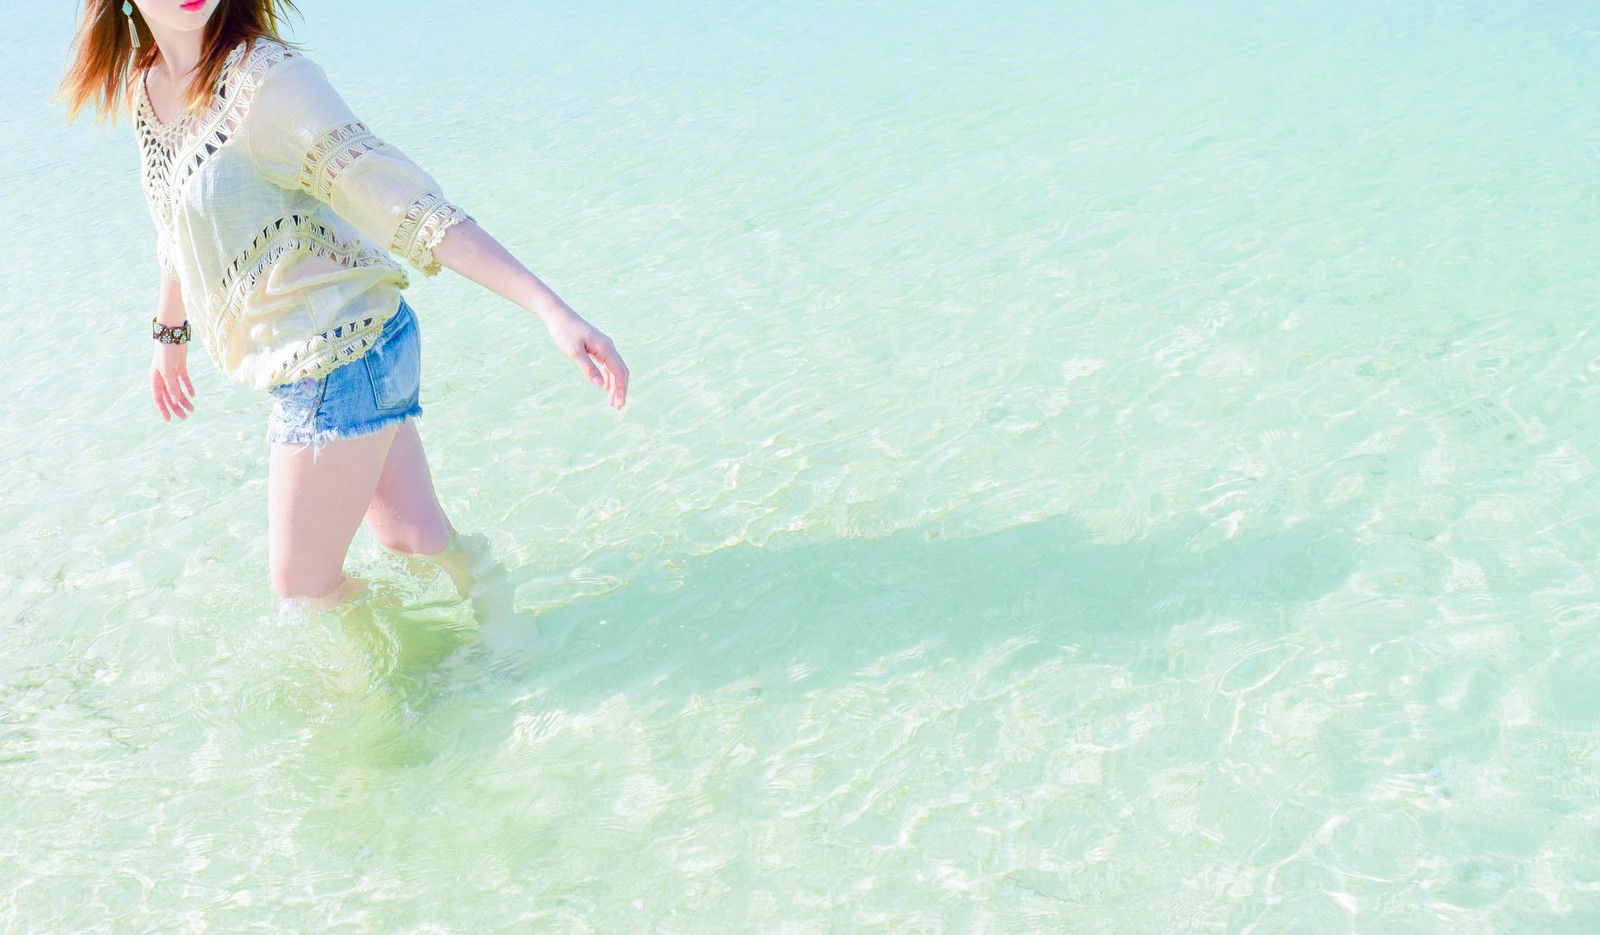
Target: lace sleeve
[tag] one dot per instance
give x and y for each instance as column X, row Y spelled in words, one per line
column 300, row 134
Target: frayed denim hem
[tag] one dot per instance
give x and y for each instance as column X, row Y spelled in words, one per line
column 379, row 389
column 318, row 440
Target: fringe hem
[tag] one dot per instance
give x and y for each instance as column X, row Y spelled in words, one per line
column 318, row 440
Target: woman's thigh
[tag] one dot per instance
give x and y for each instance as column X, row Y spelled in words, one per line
column 405, row 514
column 316, row 498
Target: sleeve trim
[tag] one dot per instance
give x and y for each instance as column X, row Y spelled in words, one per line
column 423, row 228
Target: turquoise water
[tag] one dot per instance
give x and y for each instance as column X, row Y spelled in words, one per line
column 1087, row 471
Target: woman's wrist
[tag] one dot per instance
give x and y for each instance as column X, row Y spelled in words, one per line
column 554, row 314
column 545, row 304
column 169, row 334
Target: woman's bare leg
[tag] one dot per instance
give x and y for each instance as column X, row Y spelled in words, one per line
column 314, row 506
column 404, row 513
column 406, row 517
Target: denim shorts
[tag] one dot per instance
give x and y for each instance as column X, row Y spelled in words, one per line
column 367, row 395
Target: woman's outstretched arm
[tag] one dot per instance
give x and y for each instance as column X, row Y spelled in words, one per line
column 300, row 134
column 469, row 250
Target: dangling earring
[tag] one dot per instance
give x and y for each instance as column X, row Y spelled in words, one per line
column 133, row 31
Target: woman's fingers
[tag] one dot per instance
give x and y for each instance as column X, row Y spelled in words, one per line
column 588, row 368
column 181, row 406
column 170, row 401
column 616, row 383
column 597, row 357
column 175, row 390
column 158, row 391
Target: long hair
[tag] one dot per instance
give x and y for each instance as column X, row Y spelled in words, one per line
column 104, row 63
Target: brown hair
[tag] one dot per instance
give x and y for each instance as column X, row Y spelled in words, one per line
column 104, row 64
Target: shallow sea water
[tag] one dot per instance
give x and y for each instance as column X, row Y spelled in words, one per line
column 1087, row 471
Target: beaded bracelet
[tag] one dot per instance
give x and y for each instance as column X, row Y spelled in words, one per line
column 167, row 334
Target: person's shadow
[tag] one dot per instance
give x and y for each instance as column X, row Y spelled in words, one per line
column 411, row 681
column 693, row 625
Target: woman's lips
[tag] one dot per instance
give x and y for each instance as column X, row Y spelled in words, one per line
column 193, row 5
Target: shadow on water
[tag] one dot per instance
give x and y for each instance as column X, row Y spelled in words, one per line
column 694, row 625
column 768, row 620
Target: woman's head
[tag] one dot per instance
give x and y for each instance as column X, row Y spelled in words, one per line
column 105, row 61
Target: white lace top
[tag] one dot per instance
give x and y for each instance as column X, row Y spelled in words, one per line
column 271, row 205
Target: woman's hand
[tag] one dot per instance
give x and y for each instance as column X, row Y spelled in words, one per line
column 169, row 381
column 469, row 250
column 587, row 346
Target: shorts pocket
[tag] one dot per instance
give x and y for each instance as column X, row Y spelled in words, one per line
column 394, row 365
column 294, row 410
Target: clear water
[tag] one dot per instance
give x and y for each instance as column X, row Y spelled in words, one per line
column 1090, row 469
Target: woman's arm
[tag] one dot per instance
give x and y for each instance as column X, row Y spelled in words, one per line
column 169, row 364
column 300, row 134
column 469, row 250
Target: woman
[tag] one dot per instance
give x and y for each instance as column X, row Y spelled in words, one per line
column 273, row 207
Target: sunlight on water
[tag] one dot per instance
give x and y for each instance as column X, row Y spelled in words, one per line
column 1088, row 470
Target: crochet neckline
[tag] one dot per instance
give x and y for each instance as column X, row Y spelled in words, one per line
column 171, row 153
column 169, row 130
column 148, row 111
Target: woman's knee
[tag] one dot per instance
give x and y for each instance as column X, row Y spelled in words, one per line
column 424, row 539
